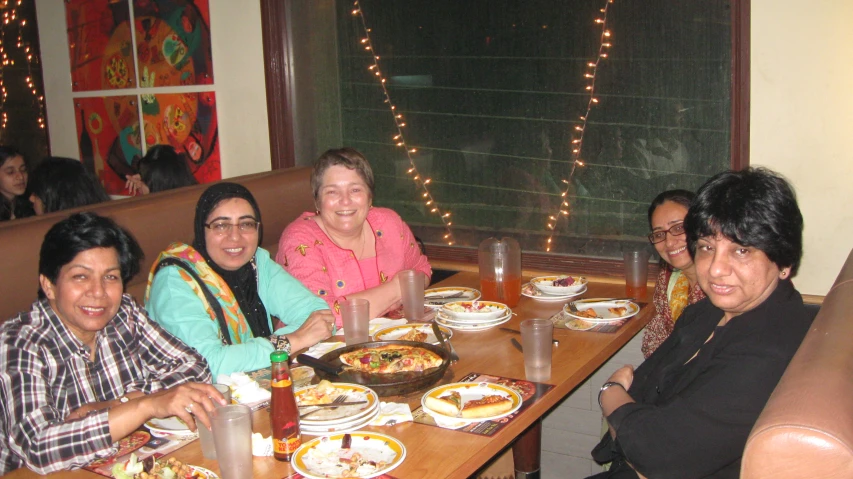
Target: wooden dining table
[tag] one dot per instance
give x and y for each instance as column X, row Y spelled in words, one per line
column 433, row 452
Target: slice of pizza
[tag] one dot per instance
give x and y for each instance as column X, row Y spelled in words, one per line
column 587, row 313
column 391, row 358
column 448, row 405
column 414, row 334
column 618, row 311
column 487, row 406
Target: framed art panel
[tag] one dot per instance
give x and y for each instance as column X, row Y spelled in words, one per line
column 99, row 44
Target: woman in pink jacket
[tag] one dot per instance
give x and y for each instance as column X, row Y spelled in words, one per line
column 347, row 248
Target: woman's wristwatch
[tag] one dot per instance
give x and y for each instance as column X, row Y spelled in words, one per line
column 604, row 388
column 281, row 343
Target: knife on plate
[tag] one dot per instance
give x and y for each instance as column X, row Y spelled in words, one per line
column 510, row 330
column 315, row 363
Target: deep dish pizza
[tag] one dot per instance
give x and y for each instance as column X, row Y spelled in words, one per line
column 391, row 358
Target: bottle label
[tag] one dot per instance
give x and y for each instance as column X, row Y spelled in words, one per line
column 286, row 446
column 281, row 383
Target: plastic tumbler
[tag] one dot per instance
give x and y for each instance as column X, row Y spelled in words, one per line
column 355, row 315
column 536, row 341
column 205, row 436
column 412, row 292
column 636, row 273
column 232, row 434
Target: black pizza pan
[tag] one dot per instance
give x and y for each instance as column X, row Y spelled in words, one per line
column 394, row 384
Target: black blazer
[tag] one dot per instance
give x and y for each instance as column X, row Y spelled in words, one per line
column 692, row 419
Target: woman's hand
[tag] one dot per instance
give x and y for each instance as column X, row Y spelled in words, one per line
column 135, row 185
column 191, row 402
column 623, row 376
column 316, row 328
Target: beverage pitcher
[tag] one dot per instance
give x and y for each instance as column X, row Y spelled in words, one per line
column 500, row 270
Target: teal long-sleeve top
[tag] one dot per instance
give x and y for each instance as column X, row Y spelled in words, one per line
column 173, row 304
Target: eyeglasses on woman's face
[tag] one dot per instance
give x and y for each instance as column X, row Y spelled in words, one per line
column 224, row 228
column 660, row 235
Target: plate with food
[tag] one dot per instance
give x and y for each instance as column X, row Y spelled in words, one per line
column 350, row 455
column 160, row 469
column 338, row 427
column 126, row 445
column 326, row 392
column 438, row 297
column 447, row 322
column 475, row 310
column 474, row 402
column 388, row 367
column 533, row 292
column 576, row 324
column 170, row 426
column 602, row 310
column 419, row 332
column 560, row 285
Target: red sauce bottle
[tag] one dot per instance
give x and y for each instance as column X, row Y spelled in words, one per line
column 284, row 415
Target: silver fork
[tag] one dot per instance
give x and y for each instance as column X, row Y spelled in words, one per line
column 338, row 400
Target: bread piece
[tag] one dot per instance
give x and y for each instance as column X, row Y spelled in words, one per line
column 447, row 405
column 488, row 406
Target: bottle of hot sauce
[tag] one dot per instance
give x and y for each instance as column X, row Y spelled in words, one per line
column 284, row 414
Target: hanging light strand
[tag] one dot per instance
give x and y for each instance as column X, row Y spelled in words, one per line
column 399, row 139
column 11, row 21
column 579, row 130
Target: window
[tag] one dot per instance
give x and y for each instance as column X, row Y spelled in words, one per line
column 492, row 93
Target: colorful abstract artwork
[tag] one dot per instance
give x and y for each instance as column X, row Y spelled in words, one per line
column 187, row 121
column 100, row 45
column 108, row 129
column 173, row 42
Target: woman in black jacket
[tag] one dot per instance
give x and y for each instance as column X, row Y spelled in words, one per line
column 687, row 410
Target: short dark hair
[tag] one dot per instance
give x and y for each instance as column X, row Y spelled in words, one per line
column 348, row 157
column 63, row 183
column 682, row 197
column 8, row 152
column 162, row 168
column 755, row 207
column 84, row 231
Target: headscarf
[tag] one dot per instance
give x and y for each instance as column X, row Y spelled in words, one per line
column 243, row 282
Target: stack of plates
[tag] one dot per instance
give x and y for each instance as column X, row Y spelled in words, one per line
column 342, row 418
column 541, row 288
column 473, row 315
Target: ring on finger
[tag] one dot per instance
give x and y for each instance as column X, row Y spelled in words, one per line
column 189, row 408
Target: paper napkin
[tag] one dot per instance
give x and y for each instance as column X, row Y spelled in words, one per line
column 391, row 413
column 244, row 389
column 320, row 349
column 261, row 446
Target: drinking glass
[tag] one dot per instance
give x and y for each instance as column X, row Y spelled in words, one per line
column 636, row 272
column 205, row 436
column 355, row 315
column 232, row 434
column 536, row 340
column 412, row 292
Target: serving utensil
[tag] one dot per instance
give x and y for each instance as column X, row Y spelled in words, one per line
column 510, row 330
column 602, row 300
column 319, row 364
column 444, row 342
column 517, row 345
column 339, row 401
column 334, row 403
column 457, row 294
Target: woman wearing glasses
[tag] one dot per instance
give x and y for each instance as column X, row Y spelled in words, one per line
column 677, row 286
column 218, row 294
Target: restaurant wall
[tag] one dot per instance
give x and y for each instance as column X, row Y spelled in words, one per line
column 801, row 121
column 238, row 70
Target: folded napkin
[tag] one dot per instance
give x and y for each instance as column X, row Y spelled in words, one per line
column 376, row 324
column 320, row 349
column 261, row 446
column 450, row 423
column 391, row 413
column 244, row 389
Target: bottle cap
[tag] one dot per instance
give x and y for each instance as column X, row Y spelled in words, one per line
column 278, row 356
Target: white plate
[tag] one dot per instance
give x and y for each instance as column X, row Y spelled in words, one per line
column 319, row 458
column 392, row 333
column 470, row 322
column 533, row 292
column 350, row 426
column 491, row 309
column 354, row 392
column 472, row 326
column 170, row 426
column 600, row 306
column 470, row 392
column 468, row 294
column 208, row 474
column 545, row 284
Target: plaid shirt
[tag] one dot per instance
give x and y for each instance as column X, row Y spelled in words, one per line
column 45, row 374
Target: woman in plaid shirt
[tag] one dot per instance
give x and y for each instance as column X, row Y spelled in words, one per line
column 85, row 366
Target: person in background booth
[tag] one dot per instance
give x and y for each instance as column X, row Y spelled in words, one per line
column 61, row 183
column 688, row 409
column 677, row 285
column 13, row 185
column 161, row 169
column 348, row 248
column 85, row 367
column 218, row 295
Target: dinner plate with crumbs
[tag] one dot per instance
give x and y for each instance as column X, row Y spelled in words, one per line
column 533, row 292
column 471, row 400
column 474, row 309
column 411, row 332
column 560, row 285
column 471, row 325
column 170, row 426
column 602, row 310
column 326, row 393
column 348, row 455
column 437, row 297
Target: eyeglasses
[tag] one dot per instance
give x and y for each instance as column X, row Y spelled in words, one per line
column 224, row 228
column 660, row 235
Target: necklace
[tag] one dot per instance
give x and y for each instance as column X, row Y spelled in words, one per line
column 363, row 243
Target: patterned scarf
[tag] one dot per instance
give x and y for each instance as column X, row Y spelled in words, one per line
column 680, row 296
column 234, row 318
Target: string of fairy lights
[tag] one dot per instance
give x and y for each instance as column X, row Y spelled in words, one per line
column 578, row 134
column 399, row 138
column 11, row 22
